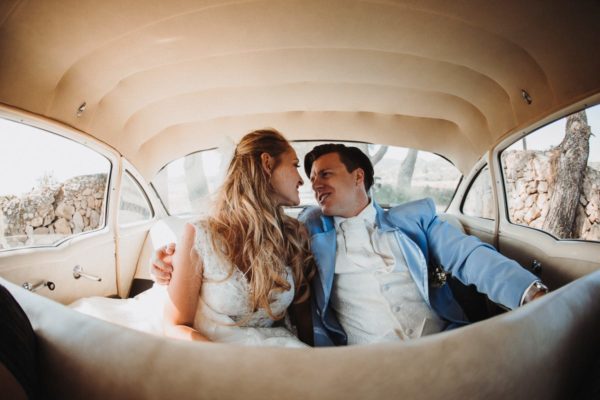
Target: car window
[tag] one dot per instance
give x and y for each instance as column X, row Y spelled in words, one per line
column 479, row 201
column 552, row 177
column 184, row 185
column 404, row 175
column 51, row 187
column 401, row 175
column 133, row 204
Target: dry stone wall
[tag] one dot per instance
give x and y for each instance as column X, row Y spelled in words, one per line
column 529, row 180
column 53, row 211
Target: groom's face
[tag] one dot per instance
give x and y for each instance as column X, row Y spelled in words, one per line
column 336, row 189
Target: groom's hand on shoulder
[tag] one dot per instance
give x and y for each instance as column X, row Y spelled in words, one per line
column 161, row 264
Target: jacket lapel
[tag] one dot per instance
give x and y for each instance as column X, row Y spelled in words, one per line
column 416, row 264
column 415, row 261
column 324, row 247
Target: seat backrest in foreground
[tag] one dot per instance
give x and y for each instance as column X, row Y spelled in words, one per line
column 542, row 350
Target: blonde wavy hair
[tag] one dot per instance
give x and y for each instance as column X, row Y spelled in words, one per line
column 250, row 230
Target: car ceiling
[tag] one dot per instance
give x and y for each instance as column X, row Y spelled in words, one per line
column 160, row 79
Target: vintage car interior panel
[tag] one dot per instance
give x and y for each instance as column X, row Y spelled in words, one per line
column 164, row 231
column 557, row 261
column 92, row 253
column 147, row 83
column 136, row 216
column 483, row 228
column 546, row 337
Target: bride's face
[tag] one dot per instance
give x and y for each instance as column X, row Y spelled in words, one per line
column 285, row 179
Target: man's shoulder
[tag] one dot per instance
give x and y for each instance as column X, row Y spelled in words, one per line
column 311, row 218
column 309, row 214
column 418, row 213
column 413, row 209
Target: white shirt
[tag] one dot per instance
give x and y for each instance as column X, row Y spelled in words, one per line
column 374, row 295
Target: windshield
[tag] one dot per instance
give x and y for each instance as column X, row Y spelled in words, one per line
column 401, row 175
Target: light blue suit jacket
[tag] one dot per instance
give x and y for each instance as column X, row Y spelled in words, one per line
column 426, row 242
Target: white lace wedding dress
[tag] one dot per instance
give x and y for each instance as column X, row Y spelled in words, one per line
column 223, row 313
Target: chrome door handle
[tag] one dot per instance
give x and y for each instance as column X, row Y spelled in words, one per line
column 32, row 287
column 78, row 273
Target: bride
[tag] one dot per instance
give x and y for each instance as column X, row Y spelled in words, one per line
column 236, row 272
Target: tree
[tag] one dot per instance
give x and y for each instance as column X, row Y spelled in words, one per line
column 407, row 169
column 47, row 179
column 195, row 181
column 375, row 158
column 161, row 183
column 571, row 161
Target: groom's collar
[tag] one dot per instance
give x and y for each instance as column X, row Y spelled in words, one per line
column 381, row 220
column 367, row 214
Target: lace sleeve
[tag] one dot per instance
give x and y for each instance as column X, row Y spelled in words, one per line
column 213, row 268
column 200, row 250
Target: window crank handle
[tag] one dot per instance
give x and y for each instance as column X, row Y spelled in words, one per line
column 78, row 273
column 32, row 287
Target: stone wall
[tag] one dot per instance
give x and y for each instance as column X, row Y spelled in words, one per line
column 529, row 179
column 54, row 211
column 51, row 212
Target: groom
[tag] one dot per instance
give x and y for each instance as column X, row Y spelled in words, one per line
column 381, row 274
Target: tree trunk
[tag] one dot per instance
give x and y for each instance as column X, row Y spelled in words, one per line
column 375, row 158
column 161, row 183
column 195, row 181
column 572, row 159
column 407, row 169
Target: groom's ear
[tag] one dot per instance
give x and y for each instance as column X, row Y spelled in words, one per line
column 267, row 162
column 359, row 177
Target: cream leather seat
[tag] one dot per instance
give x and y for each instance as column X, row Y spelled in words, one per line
column 542, row 350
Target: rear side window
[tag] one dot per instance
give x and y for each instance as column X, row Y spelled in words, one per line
column 51, row 188
column 552, row 177
column 401, row 175
column 405, row 174
column 184, row 185
column 133, row 205
column 479, row 201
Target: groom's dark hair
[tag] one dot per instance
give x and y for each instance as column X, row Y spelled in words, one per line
column 350, row 156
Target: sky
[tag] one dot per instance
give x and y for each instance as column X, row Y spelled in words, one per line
column 27, row 153
column 552, row 134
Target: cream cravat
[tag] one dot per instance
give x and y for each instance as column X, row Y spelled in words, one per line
column 361, row 243
column 357, row 241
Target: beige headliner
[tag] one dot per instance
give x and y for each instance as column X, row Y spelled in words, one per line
column 163, row 78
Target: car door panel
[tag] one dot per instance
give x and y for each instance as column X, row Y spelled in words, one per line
column 131, row 241
column 561, row 261
column 480, row 227
column 94, row 252
column 81, row 163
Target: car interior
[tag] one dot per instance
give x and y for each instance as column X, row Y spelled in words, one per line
column 127, row 101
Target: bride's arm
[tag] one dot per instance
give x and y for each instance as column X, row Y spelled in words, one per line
column 184, row 290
